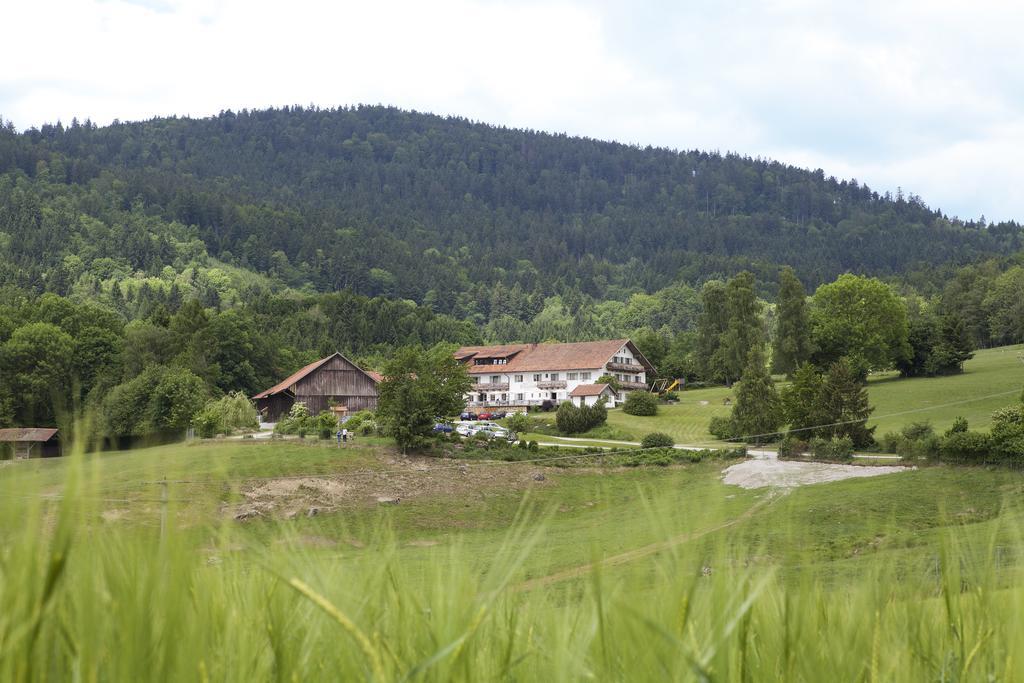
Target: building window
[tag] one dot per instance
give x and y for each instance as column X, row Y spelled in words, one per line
column 536, row 378
column 495, row 379
column 519, row 378
column 504, row 397
column 573, row 375
column 519, row 397
column 554, row 376
column 584, row 375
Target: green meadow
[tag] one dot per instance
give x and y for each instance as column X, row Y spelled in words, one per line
column 142, row 565
column 992, row 379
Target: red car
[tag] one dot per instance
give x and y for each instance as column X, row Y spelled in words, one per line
column 483, row 416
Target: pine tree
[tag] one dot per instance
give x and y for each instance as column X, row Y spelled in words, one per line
column 744, row 330
column 843, row 400
column 758, row 413
column 711, row 325
column 800, row 401
column 792, row 344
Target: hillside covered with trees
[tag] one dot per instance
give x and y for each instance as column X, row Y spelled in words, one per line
column 145, row 261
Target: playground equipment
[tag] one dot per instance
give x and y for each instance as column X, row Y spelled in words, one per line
column 663, row 386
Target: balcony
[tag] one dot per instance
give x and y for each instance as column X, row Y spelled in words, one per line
column 490, row 386
column 632, row 386
column 552, row 384
column 625, row 367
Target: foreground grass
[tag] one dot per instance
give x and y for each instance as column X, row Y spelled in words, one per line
column 659, row 573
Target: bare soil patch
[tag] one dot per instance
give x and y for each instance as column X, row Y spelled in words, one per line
column 766, row 470
column 398, row 480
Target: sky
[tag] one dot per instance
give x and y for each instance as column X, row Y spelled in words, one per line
column 925, row 96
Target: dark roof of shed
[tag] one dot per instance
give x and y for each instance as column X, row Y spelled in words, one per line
column 27, row 434
column 291, row 379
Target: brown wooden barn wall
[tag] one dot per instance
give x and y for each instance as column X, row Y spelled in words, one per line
column 339, row 382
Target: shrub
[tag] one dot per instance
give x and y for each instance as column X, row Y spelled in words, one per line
column 836, row 448
column 325, row 424
column 657, row 440
column 959, row 426
column 721, row 427
column 917, row 431
column 640, row 403
column 356, row 420
column 571, row 419
column 670, row 396
column 792, row 447
column 568, row 419
column 966, row 446
column 534, row 446
column 518, row 422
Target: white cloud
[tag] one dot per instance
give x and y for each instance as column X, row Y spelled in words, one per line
column 928, row 96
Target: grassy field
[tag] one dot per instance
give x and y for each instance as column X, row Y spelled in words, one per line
column 993, row 379
column 497, row 570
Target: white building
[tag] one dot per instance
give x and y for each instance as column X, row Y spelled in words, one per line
column 521, row 375
column 590, row 394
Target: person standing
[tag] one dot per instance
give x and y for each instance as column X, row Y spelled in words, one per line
column 344, row 434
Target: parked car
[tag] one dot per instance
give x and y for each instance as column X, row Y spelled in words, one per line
column 500, row 433
column 443, row 428
column 465, row 429
column 483, row 416
column 468, row 416
column 499, row 415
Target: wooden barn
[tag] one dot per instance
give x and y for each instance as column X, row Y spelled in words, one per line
column 30, row 442
column 332, row 383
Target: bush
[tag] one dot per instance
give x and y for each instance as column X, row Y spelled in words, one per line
column 966, row 446
column 295, row 421
column 721, row 428
column 640, row 403
column 836, row 448
column 657, row 440
column 534, row 446
column 519, row 423
column 959, row 426
column 571, row 419
column 356, row 420
column 792, row 447
column 670, row 396
column 325, row 424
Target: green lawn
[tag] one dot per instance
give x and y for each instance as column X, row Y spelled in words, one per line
column 992, row 371
column 992, row 379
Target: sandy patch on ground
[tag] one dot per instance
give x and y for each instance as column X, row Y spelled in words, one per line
column 764, row 469
column 398, row 480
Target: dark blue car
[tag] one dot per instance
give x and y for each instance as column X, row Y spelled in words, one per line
column 443, row 428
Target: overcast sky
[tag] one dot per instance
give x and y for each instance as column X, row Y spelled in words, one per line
column 924, row 95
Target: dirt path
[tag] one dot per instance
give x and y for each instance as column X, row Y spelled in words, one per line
column 643, row 551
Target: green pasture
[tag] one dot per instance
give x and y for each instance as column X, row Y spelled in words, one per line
column 639, row 574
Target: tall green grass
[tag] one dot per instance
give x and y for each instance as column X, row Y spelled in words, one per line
column 86, row 600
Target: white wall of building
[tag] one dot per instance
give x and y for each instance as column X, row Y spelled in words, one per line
column 529, row 387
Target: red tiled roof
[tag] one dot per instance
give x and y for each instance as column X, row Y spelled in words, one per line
column 375, row 376
column 589, row 390
column 299, row 374
column 27, row 434
column 539, row 357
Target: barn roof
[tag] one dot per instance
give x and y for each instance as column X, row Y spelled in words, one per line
column 291, row 379
column 589, row 390
column 27, row 434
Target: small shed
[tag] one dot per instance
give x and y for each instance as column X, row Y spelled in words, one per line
column 31, row 442
column 333, row 383
column 589, row 394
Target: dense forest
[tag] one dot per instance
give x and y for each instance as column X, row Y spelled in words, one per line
column 217, row 254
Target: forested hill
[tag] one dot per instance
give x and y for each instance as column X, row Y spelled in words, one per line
column 388, row 202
